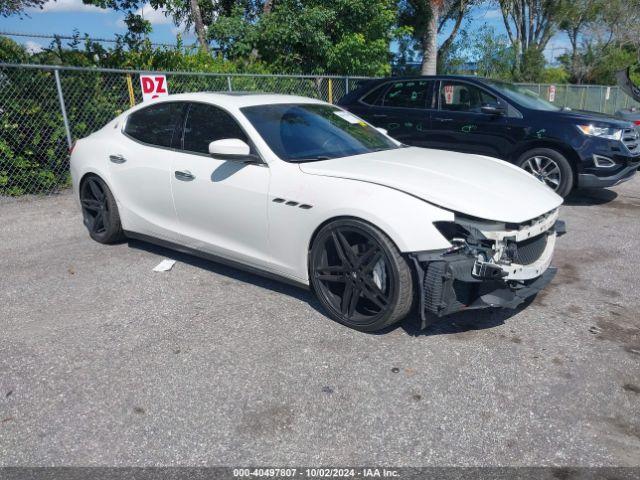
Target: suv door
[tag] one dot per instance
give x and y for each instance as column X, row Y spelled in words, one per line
column 403, row 109
column 459, row 123
column 140, row 168
column 221, row 204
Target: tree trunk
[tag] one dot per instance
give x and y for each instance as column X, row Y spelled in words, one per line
column 196, row 16
column 452, row 36
column 430, row 42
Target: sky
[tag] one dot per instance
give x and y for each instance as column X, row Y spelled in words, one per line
column 63, row 16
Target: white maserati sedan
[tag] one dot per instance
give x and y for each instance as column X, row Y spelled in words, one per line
column 304, row 191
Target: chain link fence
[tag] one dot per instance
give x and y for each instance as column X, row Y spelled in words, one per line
column 596, row 98
column 44, row 108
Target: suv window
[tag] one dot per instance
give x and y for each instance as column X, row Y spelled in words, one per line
column 372, row 97
column 408, row 94
column 463, row 97
column 206, row 124
column 155, row 124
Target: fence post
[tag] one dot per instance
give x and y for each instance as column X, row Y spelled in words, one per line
column 229, row 84
column 56, row 74
column 346, row 85
column 132, row 97
column 330, row 90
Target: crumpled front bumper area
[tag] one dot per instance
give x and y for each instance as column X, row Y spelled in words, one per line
column 450, row 283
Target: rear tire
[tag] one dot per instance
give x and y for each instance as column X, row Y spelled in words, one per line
column 550, row 167
column 100, row 211
column 359, row 275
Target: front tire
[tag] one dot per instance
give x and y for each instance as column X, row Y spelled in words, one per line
column 550, row 167
column 100, row 211
column 359, row 275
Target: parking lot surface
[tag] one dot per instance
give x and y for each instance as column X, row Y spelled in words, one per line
column 106, row 362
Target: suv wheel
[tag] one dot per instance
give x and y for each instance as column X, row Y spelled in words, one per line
column 550, row 167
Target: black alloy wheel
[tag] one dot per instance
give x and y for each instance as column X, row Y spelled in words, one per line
column 99, row 211
column 359, row 275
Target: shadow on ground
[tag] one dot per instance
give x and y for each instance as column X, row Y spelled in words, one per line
column 599, row 196
column 227, row 271
column 456, row 323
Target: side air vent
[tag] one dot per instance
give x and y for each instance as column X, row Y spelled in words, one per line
column 292, row 203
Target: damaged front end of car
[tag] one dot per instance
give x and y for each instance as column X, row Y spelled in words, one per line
column 489, row 264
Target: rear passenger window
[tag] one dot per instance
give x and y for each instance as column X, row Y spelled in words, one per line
column 408, row 94
column 205, row 124
column 155, row 124
column 372, row 97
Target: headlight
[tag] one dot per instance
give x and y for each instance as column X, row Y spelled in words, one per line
column 602, row 132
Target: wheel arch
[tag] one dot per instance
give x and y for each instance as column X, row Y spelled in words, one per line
column 344, row 217
column 91, row 172
column 400, row 232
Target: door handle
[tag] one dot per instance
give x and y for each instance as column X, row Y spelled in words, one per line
column 441, row 119
column 184, row 175
column 117, row 158
column 380, row 115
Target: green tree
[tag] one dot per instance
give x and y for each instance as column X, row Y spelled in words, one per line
column 430, row 18
column 575, row 18
column 608, row 40
column 18, row 7
column 191, row 12
column 530, row 24
column 311, row 36
column 493, row 54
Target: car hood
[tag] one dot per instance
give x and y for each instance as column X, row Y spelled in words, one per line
column 474, row 185
column 583, row 116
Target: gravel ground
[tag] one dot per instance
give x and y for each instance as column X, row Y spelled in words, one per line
column 105, row 362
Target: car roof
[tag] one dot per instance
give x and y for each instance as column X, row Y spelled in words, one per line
column 237, row 99
column 433, row 77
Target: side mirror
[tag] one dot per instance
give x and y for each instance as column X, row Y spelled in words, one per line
column 492, row 109
column 232, row 149
column 383, row 131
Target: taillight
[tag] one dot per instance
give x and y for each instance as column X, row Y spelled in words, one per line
column 637, row 122
column 73, row 145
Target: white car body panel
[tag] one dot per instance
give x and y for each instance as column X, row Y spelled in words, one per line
column 478, row 186
column 228, row 210
column 291, row 228
column 223, row 211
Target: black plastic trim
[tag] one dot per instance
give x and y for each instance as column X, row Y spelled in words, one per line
column 451, row 287
column 589, row 180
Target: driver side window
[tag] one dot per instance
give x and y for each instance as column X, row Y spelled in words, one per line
column 464, row 97
column 205, row 124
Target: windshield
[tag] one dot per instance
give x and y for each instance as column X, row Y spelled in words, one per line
column 523, row 96
column 309, row 132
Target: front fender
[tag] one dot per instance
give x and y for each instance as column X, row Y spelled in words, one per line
column 407, row 220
